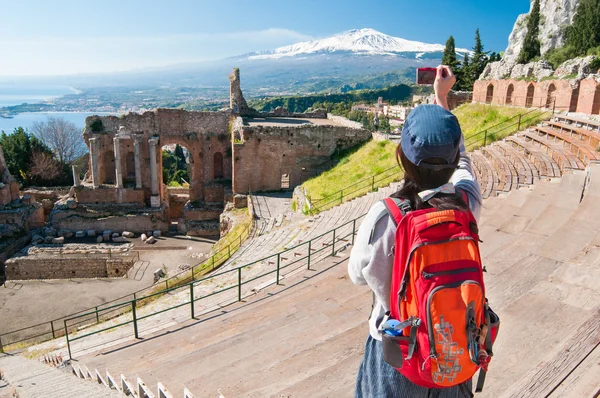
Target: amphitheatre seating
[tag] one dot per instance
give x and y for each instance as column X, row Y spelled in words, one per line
column 546, row 166
column 591, row 136
column 561, row 155
column 542, row 252
column 508, row 174
column 578, row 121
column 580, row 150
column 528, row 173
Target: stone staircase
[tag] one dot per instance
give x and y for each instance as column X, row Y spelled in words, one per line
column 32, row 379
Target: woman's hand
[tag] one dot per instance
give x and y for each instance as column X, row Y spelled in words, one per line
column 444, row 80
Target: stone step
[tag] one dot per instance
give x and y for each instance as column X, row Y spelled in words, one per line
column 32, row 379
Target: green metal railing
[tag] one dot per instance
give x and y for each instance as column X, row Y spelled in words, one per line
column 291, row 259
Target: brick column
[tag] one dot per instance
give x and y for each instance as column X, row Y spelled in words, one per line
column 155, row 198
column 138, row 164
column 94, row 151
column 118, row 168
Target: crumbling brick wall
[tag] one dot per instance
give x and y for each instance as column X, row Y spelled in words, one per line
column 274, row 157
column 203, row 134
column 565, row 95
column 25, row 268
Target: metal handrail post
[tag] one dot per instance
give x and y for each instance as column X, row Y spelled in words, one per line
column 68, row 342
column 278, row 267
column 333, row 244
column 239, row 284
column 97, row 317
column 192, row 300
column 135, row 327
column 353, row 230
column 53, row 334
column 309, row 248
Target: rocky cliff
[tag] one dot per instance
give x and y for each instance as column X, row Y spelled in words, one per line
column 554, row 16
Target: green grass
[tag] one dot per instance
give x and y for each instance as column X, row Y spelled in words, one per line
column 475, row 118
column 357, row 165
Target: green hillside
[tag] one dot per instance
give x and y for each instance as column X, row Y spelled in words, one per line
column 352, row 176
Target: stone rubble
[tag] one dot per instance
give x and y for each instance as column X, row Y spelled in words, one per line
column 151, row 240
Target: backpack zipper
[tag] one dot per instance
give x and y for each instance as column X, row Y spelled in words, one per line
column 429, row 275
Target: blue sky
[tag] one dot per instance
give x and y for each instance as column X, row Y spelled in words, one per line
column 41, row 37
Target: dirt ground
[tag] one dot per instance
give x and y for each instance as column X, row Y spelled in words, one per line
column 25, row 303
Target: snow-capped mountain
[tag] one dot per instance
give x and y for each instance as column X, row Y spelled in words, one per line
column 357, row 41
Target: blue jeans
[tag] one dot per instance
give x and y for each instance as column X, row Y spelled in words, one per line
column 377, row 379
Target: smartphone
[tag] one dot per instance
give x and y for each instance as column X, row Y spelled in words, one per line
column 426, row 75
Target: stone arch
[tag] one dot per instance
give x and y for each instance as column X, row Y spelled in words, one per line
column 529, row 96
column 109, row 168
column 509, row 94
column 130, row 166
column 218, row 166
column 489, row 95
column 551, row 96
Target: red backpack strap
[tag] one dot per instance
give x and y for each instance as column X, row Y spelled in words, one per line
column 397, row 208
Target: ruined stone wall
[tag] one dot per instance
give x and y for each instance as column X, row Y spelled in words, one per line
column 107, row 194
column 24, row 268
column 203, row 134
column 106, row 217
column 265, row 157
column 565, row 95
column 589, row 96
column 9, row 188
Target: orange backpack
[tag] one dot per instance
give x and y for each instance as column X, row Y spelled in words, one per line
column 439, row 330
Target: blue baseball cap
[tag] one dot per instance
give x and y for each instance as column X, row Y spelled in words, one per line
column 430, row 131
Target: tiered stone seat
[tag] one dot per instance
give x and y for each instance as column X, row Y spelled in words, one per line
column 541, row 247
column 528, row 172
column 507, row 173
column 546, row 166
column 578, row 151
column 560, row 154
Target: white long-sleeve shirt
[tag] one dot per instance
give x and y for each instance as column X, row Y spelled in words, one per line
column 372, row 257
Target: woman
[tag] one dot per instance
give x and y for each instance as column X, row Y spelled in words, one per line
column 432, row 154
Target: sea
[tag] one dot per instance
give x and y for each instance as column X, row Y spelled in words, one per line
column 17, row 95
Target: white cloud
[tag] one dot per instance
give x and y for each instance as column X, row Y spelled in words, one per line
column 71, row 55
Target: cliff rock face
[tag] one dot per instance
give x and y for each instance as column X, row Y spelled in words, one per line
column 554, row 16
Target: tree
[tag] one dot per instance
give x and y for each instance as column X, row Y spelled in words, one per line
column 480, row 59
column 449, row 57
column 18, row 150
column 43, row 168
column 464, row 81
column 584, row 32
column 531, row 43
column 62, row 137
